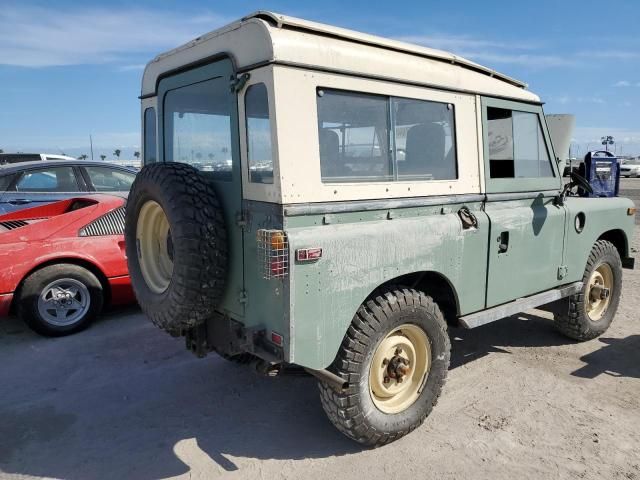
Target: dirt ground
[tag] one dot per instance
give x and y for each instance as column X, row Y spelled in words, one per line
column 125, row 401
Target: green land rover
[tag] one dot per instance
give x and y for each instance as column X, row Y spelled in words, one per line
column 323, row 198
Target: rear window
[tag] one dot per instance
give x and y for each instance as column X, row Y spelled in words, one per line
column 197, row 127
column 56, row 179
column 105, row 179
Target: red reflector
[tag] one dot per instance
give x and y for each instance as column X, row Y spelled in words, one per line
column 278, row 268
column 307, row 254
column 276, row 338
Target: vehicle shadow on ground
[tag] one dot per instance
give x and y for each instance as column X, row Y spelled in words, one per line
column 521, row 330
column 619, row 357
column 136, row 405
column 151, row 411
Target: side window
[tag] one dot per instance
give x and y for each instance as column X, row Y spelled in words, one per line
column 105, row 179
column 55, row 179
column 150, row 144
column 516, row 145
column 354, row 137
column 424, row 134
column 366, row 138
column 259, row 153
column 197, row 127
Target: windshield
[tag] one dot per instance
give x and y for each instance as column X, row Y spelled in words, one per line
column 632, row 162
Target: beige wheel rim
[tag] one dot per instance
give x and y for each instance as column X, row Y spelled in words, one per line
column 399, row 368
column 155, row 249
column 599, row 290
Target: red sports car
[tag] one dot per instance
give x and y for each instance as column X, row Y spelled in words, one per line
column 61, row 262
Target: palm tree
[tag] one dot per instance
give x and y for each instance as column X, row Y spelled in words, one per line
column 117, row 152
column 1, row 150
column 136, row 154
column 103, row 157
column 82, row 157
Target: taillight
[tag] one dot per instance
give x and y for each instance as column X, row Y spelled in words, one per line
column 273, row 253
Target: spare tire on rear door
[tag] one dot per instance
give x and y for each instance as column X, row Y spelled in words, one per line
column 176, row 245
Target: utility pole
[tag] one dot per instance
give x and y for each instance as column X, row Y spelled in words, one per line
column 91, row 143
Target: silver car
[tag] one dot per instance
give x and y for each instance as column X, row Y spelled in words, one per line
column 30, row 184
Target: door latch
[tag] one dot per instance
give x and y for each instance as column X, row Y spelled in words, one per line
column 503, row 241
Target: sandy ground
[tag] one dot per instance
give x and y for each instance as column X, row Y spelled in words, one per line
column 124, row 400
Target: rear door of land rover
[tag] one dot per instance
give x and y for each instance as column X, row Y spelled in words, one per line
column 198, row 125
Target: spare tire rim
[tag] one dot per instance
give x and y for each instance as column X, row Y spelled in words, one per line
column 155, row 246
column 599, row 290
column 64, row 302
column 399, row 368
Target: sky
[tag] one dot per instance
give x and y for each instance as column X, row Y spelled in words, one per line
column 69, row 69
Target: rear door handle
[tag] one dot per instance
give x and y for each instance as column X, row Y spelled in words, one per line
column 19, row 201
column 503, row 241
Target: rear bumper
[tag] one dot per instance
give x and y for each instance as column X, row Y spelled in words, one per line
column 5, row 303
column 121, row 291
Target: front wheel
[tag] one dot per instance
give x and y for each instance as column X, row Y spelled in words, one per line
column 60, row 299
column 395, row 357
column 589, row 314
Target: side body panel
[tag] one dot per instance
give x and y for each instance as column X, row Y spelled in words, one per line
column 601, row 215
column 267, row 301
column 361, row 251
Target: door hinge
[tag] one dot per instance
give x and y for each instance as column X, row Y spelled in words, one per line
column 243, row 297
column 237, row 83
column 562, row 271
column 241, row 219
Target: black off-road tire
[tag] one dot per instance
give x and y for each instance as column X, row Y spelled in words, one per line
column 33, row 286
column 570, row 315
column 353, row 411
column 199, row 242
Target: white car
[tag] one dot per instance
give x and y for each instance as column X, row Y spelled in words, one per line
column 630, row 169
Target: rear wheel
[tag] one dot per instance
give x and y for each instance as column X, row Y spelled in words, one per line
column 589, row 314
column 395, row 357
column 60, row 299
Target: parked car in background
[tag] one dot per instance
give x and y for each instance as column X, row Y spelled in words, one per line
column 631, row 168
column 30, row 157
column 60, row 263
column 36, row 183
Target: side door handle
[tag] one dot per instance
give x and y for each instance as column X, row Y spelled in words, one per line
column 503, row 242
column 20, row 201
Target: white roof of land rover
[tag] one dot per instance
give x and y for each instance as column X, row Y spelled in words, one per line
column 266, row 37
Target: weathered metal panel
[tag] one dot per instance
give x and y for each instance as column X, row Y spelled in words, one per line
column 601, row 215
column 361, row 251
column 266, row 300
column 533, row 254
